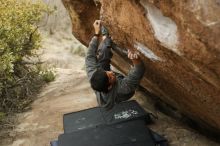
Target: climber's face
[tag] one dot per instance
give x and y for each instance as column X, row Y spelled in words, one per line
column 111, row 78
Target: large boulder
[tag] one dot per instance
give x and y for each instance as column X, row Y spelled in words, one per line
column 179, row 43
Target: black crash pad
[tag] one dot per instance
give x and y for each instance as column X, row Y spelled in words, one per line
column 54, row 143
column 98, row 116
column 132, row 133
column 159, row 140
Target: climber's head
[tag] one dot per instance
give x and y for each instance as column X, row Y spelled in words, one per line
column 102, row 81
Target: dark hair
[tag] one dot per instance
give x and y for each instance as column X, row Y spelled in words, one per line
column 99, row 81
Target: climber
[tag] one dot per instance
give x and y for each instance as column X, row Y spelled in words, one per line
column 110, row 87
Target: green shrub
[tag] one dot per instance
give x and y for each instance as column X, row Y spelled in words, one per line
column 19, row 39
column 2, row 115
column 48, row 75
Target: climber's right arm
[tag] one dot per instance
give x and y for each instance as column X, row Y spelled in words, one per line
column 91, row 59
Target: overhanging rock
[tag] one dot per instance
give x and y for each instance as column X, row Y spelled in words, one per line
column 179, row 42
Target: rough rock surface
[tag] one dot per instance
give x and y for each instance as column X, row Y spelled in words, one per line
column 179, row 42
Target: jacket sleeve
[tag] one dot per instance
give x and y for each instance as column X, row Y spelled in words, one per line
column 132, row 80
column 91, row 60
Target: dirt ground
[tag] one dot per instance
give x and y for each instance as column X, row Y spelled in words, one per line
column 71, row 92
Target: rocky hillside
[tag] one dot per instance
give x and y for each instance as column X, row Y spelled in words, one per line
column 179, row 42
